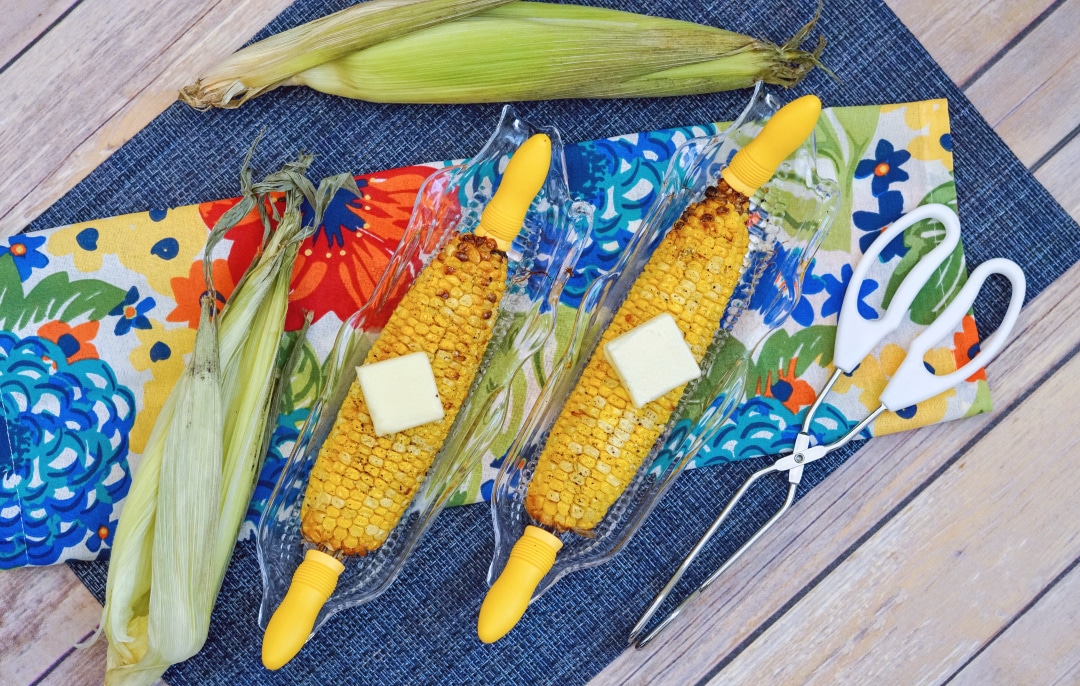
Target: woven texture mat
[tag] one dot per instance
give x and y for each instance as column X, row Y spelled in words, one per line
column 423, row 629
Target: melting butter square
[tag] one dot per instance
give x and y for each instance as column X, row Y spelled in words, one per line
column 400, row 393
column 652, row 359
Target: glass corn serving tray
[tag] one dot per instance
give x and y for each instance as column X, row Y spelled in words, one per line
column 541, row 259
column 793, row 211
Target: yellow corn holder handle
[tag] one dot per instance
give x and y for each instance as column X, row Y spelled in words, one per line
column 782, row 135
column 524, row 177
column 312, row 584
column 316, row 578
column 533, row 556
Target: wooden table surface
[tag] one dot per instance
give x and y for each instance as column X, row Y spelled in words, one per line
column 948, row 554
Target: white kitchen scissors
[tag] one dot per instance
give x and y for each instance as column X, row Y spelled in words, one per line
column 856, row 336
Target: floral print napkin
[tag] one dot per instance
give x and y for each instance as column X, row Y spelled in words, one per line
column 96, row 318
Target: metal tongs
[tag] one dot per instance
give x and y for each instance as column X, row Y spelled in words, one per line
column 856, row 336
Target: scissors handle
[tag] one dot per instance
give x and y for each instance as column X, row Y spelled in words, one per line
column 913, row 382
column 856, row 336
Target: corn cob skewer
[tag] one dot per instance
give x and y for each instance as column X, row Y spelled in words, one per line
column 362, row 483
column 600, row 438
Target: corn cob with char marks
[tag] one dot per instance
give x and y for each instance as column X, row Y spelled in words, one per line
column 600, row 438
column 362, row 483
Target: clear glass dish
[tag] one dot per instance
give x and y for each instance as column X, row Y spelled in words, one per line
column 790, row 216
column 542, row 258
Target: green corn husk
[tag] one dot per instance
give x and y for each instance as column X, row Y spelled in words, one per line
column 543, row 51
column 163, row 579
column 266, row 64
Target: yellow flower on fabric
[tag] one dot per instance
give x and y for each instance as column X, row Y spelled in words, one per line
column 873, row 374
column 931, row 116
column 162, row 352
column 159, row 244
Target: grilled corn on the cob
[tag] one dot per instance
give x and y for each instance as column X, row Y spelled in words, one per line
column 362, row 483
column 600, row 438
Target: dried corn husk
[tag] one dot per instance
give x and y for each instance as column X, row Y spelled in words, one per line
column 264, row 65
column 191, row 491
column 542, row 51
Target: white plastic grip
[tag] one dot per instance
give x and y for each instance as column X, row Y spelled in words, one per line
column 913, row 382
column 856, row 336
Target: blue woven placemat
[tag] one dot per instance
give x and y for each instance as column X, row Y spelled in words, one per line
column 423, row 629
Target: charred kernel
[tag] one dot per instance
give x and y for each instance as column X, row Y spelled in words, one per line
column 486, row 314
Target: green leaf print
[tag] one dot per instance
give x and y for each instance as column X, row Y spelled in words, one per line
column 806, row 346
column 920, row 239
column 306, row 381
column 54, row 298
column 842, row 136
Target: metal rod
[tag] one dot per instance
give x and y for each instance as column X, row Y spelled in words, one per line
column 820, row 399
column 717, row 523
column 850, row 435
column 647, row 638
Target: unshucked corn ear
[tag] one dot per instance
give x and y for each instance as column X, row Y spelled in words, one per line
column 191, row 491
column 266, row 64
column 541, row 51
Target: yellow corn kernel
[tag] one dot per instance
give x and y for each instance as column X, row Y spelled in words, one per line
column 702, row 255
column 383, row 473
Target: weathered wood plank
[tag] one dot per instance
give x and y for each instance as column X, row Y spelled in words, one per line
column 834, row 517
column 83, row 667
column 24, row 21
column 1032, row 96
column 1040, row 647
column 100, row 76
column 940, row 579
column 1060, row 177
column 45, row 612
column 963, row 35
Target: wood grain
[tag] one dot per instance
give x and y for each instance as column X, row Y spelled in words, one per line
column 1060, row 176
column 45, row 612
column 1032, row 96
column 964, row 35
column 943, row 576
column 23, row 22
column 99, row 77
column 832, row 519
column 1040, row 647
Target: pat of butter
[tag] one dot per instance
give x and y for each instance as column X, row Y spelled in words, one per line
column 652, row 359
column 400, row 393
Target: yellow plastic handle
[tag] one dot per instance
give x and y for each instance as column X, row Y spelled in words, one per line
column 524, row 177
column 530, row 560
column 312, row 584
column 782, row 135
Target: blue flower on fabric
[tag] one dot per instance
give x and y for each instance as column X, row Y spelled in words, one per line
column 773, row 289
column 64, row 430
column 837, row 287
column 132, row 312
column 282, row 440
column 885, row 167
column 890, row 208
column 24, row 250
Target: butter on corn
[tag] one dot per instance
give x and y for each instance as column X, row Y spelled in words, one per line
column 601, row 438
column 652, row 359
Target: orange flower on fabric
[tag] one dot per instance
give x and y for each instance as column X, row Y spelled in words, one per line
column 75, row 341
column 789, row 389
column 188, row 291
column 966, row 344
column 339, row 265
